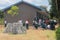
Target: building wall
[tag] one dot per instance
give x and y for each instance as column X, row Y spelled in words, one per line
column 25, row 13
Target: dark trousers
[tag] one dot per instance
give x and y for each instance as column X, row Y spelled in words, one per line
column 36, row 26
column 27, row 26
column 5, row 25
column 52, row 27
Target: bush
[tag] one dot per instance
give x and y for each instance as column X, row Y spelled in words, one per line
column 58, row 33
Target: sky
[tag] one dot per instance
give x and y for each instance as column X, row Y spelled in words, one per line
column 6, row 3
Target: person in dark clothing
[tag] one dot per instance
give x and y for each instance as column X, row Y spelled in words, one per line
column 24, row 24
column 35, row 24
column 55, row 22
column 52, row 25
column 36, row 19
column 43, row 25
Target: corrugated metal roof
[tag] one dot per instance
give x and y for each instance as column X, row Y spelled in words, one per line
column 21, row 3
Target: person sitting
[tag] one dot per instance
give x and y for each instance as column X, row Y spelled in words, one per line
column 48, row 26
column 52, row 25
column 36, row 24
column 43, row 24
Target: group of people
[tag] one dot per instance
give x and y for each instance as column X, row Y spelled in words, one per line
column 26, row 23
column 45, row 23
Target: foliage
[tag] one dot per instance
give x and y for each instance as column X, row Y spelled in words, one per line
column 58, row 33
column 1, row 21
column 1, row 14
column 53, row 10
column 13, row 10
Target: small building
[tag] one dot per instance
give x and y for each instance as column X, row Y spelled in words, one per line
column 26, row 12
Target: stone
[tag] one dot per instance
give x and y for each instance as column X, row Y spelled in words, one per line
column 15, row 28
column 8, row 29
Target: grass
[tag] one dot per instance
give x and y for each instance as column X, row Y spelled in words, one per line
column 58, row 33
column 1, row 21
column 32, row 34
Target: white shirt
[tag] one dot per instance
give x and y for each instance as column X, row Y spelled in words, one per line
column 5, row 22
column 48, row 26
column 20, row 21
column 26, row 22
column 55, row 21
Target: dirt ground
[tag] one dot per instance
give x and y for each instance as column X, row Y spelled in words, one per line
column 31, row 34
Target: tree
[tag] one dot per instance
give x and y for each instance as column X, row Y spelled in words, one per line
column 13, row 10
column 1, row 14
column 53, row 10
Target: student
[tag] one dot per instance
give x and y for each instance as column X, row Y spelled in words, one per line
column 27, row 24
column 23, row 23
column 40, row 22
column 47, row 21
column 48, row 26
column 43, row 24
column 20, row 21
column 52, row 25
column 33, row 22
column 36, row 24
column 5, row 23
column 55, row 22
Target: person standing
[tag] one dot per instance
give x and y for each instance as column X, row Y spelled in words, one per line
column 40, row 21
column 5, row 23
column 27, row 24
column 20, row 21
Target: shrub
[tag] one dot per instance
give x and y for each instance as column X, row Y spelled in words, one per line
column 58, row 33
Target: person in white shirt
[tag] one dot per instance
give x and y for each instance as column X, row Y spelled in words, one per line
column 27, row 24
column 5, row 23
column 48, row 26
column 20, row 21
column 40, row 22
